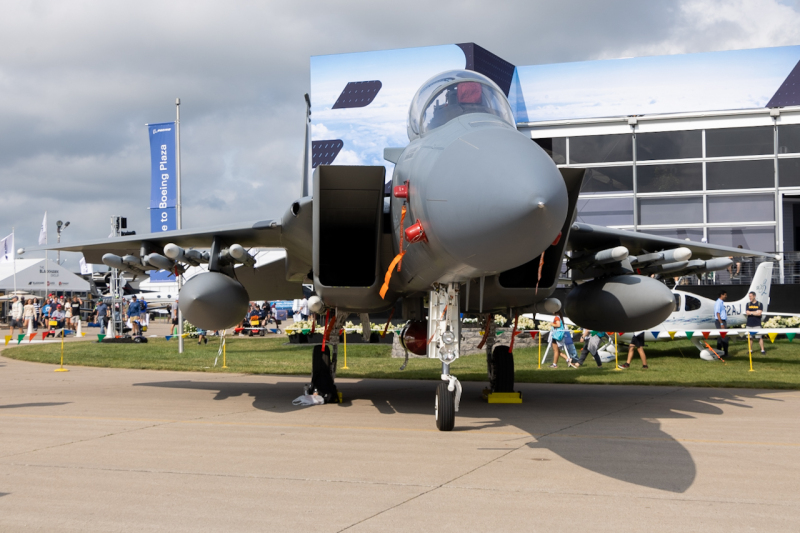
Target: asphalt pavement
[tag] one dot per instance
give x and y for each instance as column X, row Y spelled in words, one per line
column 129, row 450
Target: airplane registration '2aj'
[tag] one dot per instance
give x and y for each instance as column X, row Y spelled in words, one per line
column 478, row 221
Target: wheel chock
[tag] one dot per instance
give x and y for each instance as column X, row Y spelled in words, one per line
column 503, row 397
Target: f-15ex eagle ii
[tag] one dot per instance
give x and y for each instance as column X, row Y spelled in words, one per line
column 478, row 220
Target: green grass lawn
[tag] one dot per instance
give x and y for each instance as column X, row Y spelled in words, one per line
column 673, row 363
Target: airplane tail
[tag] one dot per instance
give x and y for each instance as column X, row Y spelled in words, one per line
column 761, row 284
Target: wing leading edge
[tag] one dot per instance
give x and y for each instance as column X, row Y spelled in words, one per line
column 264, row 233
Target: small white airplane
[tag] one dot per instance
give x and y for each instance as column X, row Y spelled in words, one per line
column 695, row 314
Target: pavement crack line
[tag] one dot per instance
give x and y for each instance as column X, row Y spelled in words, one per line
column 217, row 474
column 123, row 432
column 501, row 456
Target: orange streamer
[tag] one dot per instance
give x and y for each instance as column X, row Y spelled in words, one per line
column 386, row 279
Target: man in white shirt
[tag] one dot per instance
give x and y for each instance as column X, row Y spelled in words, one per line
column 17, row 310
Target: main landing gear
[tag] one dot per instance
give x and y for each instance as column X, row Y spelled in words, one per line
column 323, row 362
column 444, row 334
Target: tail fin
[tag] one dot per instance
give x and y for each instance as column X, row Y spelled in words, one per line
column 761, row 284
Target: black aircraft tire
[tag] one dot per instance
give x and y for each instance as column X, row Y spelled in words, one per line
column 503, row 369
column 321, row 377
column 445, row 408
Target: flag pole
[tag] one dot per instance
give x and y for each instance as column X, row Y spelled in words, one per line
column 178, row 208
column 46, row 280
column 14, row 255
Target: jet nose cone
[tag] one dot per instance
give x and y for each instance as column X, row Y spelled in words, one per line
column 495, row 200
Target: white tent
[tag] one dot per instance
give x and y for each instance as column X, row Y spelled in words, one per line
column 31, row 277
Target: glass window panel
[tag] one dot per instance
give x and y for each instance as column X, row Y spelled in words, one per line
column 608, row 179
column 606, row 211
column 759, row 239
column 789, row 172
column 600, row 148
column 789, row 139
column 691, row 234
column 750, row 208
column 669, row 145
column 692, row 304
column 740, row 174
column 740, row 141
column 555, row 147
column 671, row 210
column 669, row 178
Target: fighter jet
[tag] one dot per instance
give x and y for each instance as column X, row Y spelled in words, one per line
column 477, row 220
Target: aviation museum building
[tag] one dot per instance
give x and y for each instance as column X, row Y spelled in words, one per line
column 693, row 146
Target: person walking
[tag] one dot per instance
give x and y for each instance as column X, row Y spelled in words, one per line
column 754, row 309
column 17, row 315
column 637, row 343
column 591, row 344
column 29, row 314
column 134, row 315
column 37, row 313
column 721, row 321
column 76, row 311
column 102, row 316
column 557, row 342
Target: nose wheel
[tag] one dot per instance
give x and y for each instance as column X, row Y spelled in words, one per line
column 445, row 408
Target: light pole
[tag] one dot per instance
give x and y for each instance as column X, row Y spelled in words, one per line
column 59, row 226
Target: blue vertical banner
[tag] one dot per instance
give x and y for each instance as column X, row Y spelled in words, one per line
column 163, row 186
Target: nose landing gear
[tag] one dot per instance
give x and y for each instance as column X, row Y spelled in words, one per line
column 444, row 335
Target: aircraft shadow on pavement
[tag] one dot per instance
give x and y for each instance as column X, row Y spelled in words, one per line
column 614, row 431
column 40, row 404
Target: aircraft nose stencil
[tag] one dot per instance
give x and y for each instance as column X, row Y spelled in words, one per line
column 324, row 152
column 358, row 94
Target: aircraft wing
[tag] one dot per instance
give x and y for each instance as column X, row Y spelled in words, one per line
column 588, row 237
column 264, row 233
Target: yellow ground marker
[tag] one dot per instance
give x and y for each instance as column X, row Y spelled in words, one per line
column 345, row 367
column 61, row 367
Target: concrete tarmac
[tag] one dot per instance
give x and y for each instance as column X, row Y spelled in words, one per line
column 129, row 450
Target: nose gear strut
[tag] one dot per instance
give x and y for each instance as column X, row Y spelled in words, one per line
column 444, row 343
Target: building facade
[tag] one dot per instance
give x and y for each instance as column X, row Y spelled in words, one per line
column 731, row 178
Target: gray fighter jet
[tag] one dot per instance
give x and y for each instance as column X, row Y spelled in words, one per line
column 479, row 220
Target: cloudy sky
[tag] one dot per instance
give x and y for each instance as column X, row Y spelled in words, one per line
column 79, row 79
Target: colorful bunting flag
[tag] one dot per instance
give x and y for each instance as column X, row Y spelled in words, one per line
column 610, row 333
column 672, row 334
column 32, row 336
column 722, row 334
column 621, row 333
column 20, row 337
column 689, row 334
column 772, row 336
column 533, row 334
column 44, row 335
column 655, row 334
column 8, row 339
column 790, row 336
column 706, row 334
column 169, row 337
column 100, row 337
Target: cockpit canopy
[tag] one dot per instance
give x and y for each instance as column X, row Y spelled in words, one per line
column 451, row 94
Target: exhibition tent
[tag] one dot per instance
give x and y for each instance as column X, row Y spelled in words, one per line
column 31, row 277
